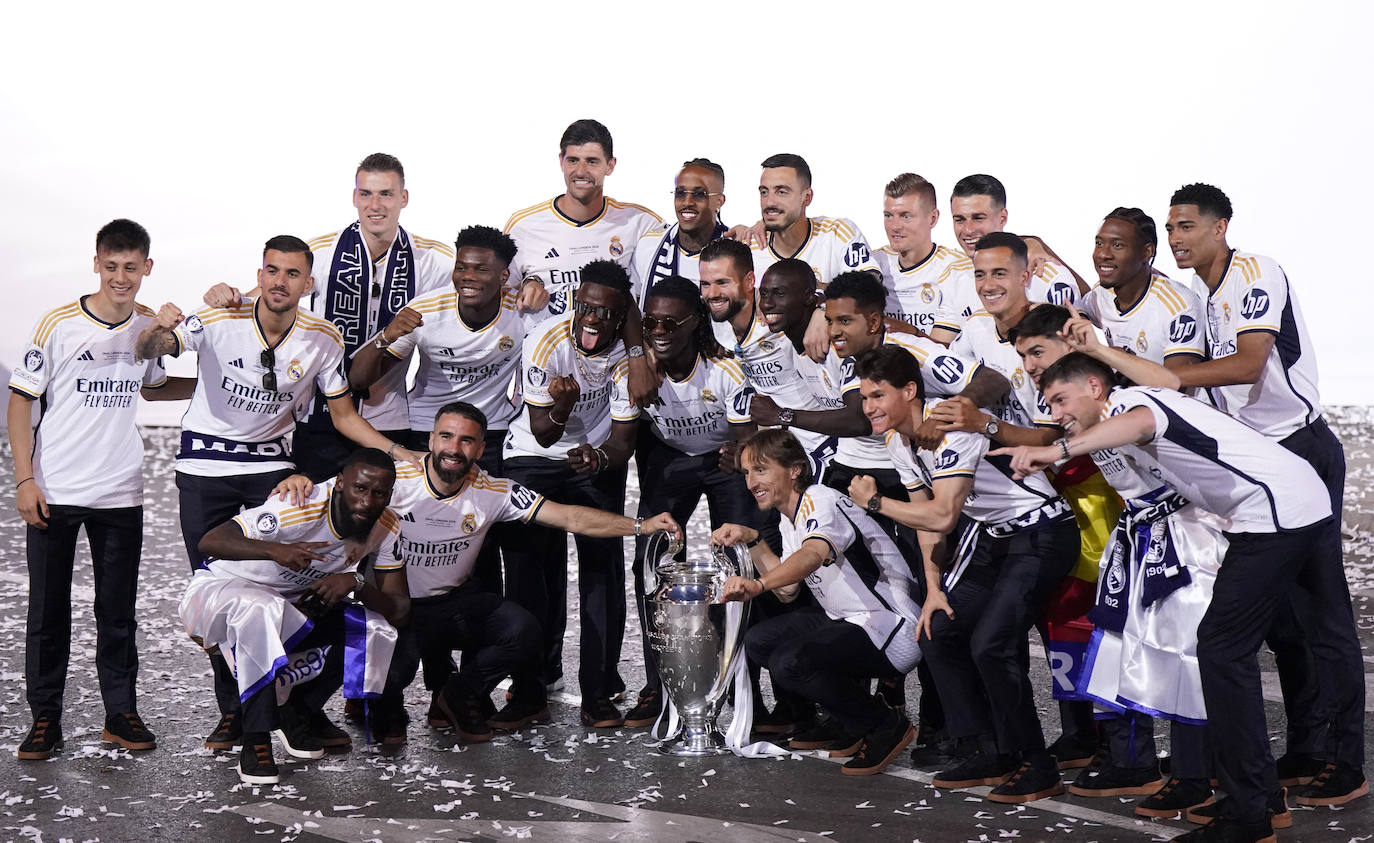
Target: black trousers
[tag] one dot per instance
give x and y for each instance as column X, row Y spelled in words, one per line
column 319, row 450
column 260, row 710
column 498, row 638
column 537, row 574
column 1131, row 743
column 207, row 502
column 673, row 482
column 980, row 658
column 827, row 662
column 116, row 539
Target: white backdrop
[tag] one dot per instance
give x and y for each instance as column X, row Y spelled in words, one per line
column 219, row 129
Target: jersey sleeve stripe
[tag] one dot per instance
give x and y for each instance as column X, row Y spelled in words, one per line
column 521, row 214
column 50, row 322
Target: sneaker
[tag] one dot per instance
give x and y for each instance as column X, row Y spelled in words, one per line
column 354, row 712
column 1175, row 798
column 294, row 735
column 228, row 732
column 1073, row 751
column 256, row 764
column 981, row 768
column 939, row 752
column 601, row 714
column 1279, row 815
column 893, row 693
column 1298, row 768
column 1111, row 780
column 387, row 724
column 646, row 710
column 329, row 735
column 517, row 715
column 1227, row 830
column 1032, row 780
column 1336, row 784
column 436, row 717
column 820, row 735
column 128, row 731
column 464, row 711
column 880, row 747
column 44, row 738
column 784, row 719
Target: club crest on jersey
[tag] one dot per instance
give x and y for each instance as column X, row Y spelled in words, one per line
column 709, row 397
column 617, row 248
column 267, row 523
column 193, row 324
column 1018, row 378
column 765, row 345
column 469, row 523
column 505, row 343
column 536, row 376
column 33, row 361
column 1142, row 343
column 295, row 371
column 1226, row 312
column 927, row 294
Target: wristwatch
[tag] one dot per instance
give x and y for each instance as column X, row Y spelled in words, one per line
column 874, row 504
column 633, row 351
column 358, row 582
column 991, row 428
column 785, row 415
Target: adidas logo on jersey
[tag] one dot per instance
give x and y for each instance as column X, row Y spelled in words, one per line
column 87, row 356
column 553, row 253
column 238, row 364
column 407, row 517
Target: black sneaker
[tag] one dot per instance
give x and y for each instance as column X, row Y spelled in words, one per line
column 1334, row 785
column 1279, row 815
column 601, row 714
column 1175, row 798
column 880, row 747
column 436, row 717
column 518, row 714
column 228, row 732
column 1032, row 780
column 387, row 724
column 940, row 752
column 294, row 735
column 1073, row 751
column 329, row 735
column 465, row 711
column 1297, row 768
column 1227, row 830
column 354, row 712
column 825, row 734
column 981, row 768
column 646, row 710
column 44, row 738
column 784, row 719
column 128, row 731
column 256, row 765
column 1111, row 780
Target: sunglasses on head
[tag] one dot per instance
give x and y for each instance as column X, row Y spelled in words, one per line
column 607, row 314
column 268, row 359
column 651, row 323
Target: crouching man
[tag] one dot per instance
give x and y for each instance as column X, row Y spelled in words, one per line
column 274, row 583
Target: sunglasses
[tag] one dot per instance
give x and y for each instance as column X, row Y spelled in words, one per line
column 268, row 359
column 697, row 194
column 652, row 323
column 606, row 314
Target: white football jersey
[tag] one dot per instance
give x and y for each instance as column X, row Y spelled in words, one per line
column 278, row 521
column 866, row 580
column 915, row 294
column 694, row 415
column 550, row 352
column 234, row 424
column 86, row 377
column 1223, row 465
column 1053, row 284
column 1165, row 321
column 441, row 535
column 1254, row 295
column 554, row 248
column 385, row 405
column 657, row 256
column 981, row 341
column 459, row 362
column 833, row 246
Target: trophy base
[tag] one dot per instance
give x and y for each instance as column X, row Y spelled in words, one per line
column 695, row 745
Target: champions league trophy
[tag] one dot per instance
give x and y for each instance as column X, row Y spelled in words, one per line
column 697, row 639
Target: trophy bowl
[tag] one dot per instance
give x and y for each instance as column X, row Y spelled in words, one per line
column 696, row 639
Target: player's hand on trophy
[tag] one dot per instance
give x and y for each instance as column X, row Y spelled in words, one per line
column 727, row 535
column 662, row 521
column 294, row 489
column 861, row 489
column 222, row 295
column 935, row 602
column 741, row 588
column 531, row 296
column 405, row 322
column 169, row 316
column 32, row 505
column 295, row 555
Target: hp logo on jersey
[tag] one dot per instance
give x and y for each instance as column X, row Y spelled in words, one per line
column 855, row 255
column 1060, row 293
column 947, row 368
column 1255, row 304
column 946, row 459
column 1182, row 329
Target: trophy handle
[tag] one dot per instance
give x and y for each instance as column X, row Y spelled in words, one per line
column 740, row 554
column 660, row 545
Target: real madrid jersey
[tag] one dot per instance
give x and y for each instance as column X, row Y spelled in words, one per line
column 86, row 376
column 693, row 415
column 1053, row 285
column 1254, row 295
column 866, row 580
column 235, row 424
column 832, row 246
column 441, row 535
column 916, row 293
column 312, row 521
column 359, row 276
column 1165, row 321
column 980, row 340
column 1223, row 465
column 550, row 352
column 659, row 255
column 553, row 247
column 461, row 362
